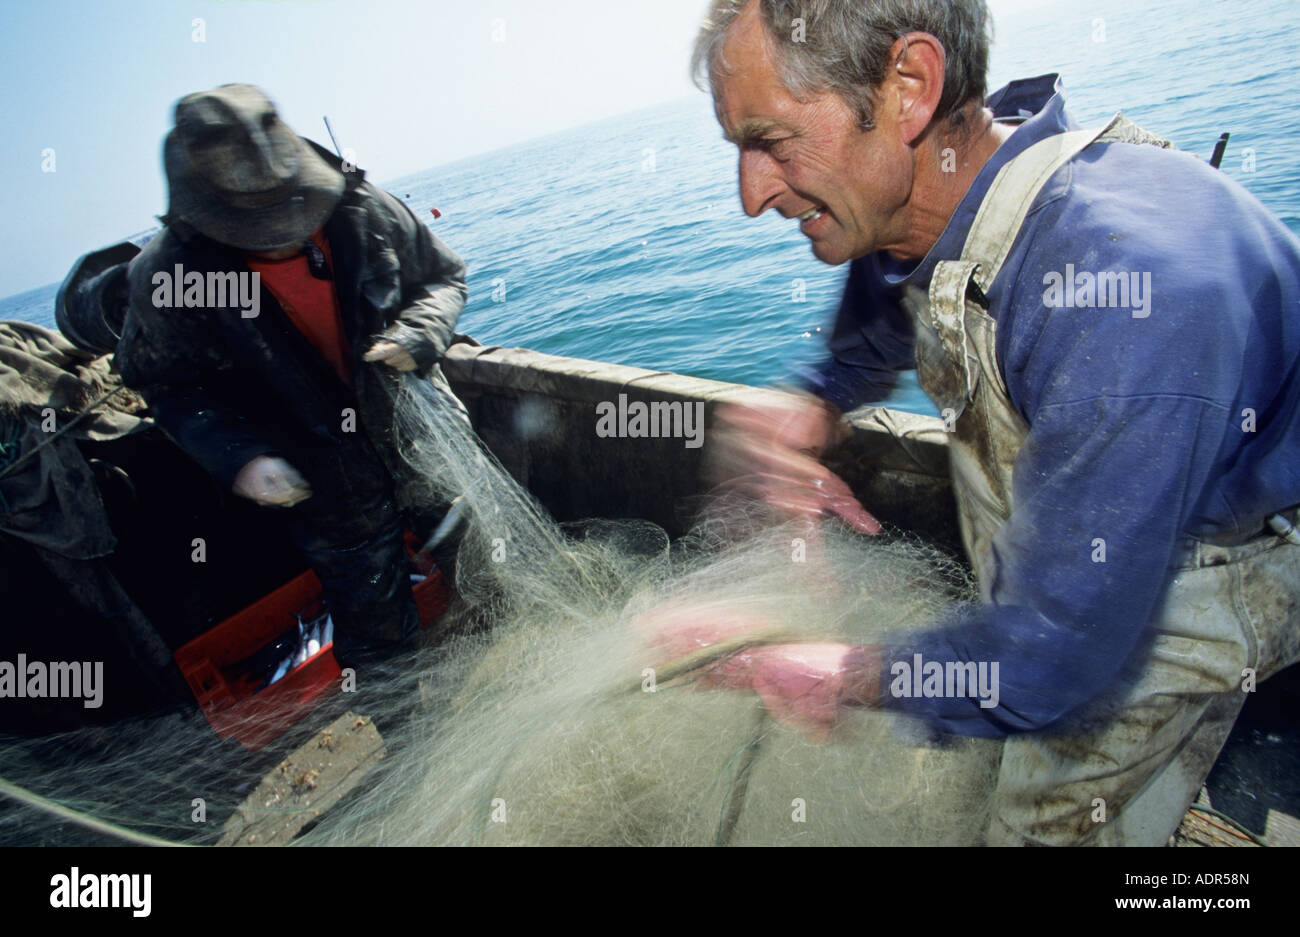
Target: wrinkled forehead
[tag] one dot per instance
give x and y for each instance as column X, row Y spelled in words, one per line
column 749, row 97
column 744, row 51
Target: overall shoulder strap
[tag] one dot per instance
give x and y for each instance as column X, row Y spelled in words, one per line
column 997, row 223
column 1018, row 183
column 1012, row 194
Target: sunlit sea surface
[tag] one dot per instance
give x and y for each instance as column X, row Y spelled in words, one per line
column 624, row 241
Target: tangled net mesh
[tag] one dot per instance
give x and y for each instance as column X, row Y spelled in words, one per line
column 541, row 715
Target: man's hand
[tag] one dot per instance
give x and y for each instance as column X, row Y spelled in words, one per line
column 681, row 630
column 772, row 453
column 391, row 354
column 802, row 685
column 271, row 481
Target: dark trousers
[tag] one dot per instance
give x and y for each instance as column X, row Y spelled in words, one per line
column 354, row 544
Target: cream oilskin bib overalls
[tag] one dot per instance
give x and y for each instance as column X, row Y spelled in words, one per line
column 1126, row 773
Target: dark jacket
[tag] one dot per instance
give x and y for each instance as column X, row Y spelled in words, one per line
column 228, row 389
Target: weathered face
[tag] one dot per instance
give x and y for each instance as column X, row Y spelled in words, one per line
column 809, row 159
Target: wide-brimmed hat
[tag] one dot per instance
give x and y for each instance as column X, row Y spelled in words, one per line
column 239, row 175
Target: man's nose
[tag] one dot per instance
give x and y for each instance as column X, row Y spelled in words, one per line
column 760, row 182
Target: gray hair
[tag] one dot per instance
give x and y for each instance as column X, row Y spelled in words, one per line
column 843, row 46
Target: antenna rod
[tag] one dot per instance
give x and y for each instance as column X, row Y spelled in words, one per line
column 332, row 137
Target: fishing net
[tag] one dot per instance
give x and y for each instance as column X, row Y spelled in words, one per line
column 545, row 714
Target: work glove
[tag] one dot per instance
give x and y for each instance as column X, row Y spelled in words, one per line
column 271, row 481
column 771, row 453
column 391, row 354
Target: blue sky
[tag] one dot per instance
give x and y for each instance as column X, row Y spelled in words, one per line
column 408, row 84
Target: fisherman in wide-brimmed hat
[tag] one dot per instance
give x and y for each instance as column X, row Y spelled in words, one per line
column 239, row 175
column 282, row 298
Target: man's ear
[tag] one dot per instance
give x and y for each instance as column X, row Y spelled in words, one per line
column 916, row 79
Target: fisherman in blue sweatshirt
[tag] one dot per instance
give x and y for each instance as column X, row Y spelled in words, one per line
column 1111, row 331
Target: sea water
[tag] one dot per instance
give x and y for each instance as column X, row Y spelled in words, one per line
column 624, row 241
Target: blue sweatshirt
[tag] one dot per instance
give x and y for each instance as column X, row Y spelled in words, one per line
column 1177, row 416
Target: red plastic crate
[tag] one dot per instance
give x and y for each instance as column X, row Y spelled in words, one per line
column 229, row 701
column 432, row 598
column 433, row 595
